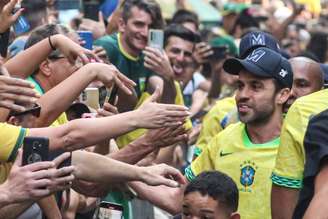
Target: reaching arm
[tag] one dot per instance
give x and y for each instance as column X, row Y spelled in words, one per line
column 93, row 167
column 168, row 199
column 280, row 198
column 23, row 66
column 58, row 99
column 86, row 132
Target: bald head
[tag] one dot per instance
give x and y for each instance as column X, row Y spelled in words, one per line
column 307, row 78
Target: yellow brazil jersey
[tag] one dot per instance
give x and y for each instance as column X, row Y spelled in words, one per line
column 11, row 139
column 289, row 168
column 249, row 165
column 131, row 136
column 223, row 113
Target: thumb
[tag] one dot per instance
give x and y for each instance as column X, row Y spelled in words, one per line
column 155, row 96
column 19, row 159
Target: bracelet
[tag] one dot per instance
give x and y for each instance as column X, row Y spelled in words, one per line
column 50, row 43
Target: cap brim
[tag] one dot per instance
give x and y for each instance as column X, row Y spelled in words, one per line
column 234, row 66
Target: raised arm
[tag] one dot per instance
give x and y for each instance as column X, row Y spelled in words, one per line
column 23, row 65
column 58, row 99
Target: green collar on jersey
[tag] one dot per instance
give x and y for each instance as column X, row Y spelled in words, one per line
column 248, row 143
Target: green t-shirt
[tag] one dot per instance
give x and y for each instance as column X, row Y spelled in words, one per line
column 132, row 67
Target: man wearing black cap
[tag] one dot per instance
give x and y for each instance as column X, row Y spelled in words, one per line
column 246, row 151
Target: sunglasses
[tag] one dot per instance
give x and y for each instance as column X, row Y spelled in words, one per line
column 34, row 110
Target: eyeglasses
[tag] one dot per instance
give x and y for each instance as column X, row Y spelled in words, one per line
column 34, row 110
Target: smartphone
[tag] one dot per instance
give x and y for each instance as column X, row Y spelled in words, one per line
column 92, row 97
column 87, row 37
column 156, row 38
column 219, row 52
column 111, row 96
column 35, row 149
column 108, row 210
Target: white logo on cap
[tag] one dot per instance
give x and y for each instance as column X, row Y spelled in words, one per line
column 256, row 55
column 258, row 40
column 283, row 73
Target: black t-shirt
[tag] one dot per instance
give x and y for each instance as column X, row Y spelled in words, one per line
column 316, row 150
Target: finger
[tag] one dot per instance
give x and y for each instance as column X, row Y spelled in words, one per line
column 10, row 6
column 176, row 174
column 177, row 113
column 103, row 113
column 61, row 158
column 16, row 89
column 122, row 86
column 11, row 106
column 39, row 166
column 173, row 107
column 63, row 172
column 65, row 179
column 16, row 81
column 92, row 55
column 41, row 183
column 207, row 54
column 101, row 17
column 19, row 158
column 84, row 58
column 17, row 14
column 155, row 56
column 155, row 96
column 110, row 108
column 40, row 193
column 152, row 63
column 126, row 80
column 18, row 98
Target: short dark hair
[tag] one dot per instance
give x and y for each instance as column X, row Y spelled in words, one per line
column 218, row 186
column 149, row 6
column 179, row 31
column 182, row 16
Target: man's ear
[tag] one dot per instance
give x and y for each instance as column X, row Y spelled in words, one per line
column 45, row 69
column 13, row 121
column 121, row 25
column 283, row 95
column 235, row 215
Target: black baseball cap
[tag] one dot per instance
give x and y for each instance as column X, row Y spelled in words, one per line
column 256, row 39
column 263, row 62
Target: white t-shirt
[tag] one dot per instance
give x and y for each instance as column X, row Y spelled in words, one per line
column 193, row 84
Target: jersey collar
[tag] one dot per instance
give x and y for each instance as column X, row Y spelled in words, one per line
column 248, row 143
column 125, row 53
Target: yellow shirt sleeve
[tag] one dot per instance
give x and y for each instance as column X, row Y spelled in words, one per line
column 288, row 171
column 11, row 139
column 205, row 161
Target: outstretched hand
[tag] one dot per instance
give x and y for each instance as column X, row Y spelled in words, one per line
column 7, row 18
column 162, row 174
column 156, row 115
column 14, row 91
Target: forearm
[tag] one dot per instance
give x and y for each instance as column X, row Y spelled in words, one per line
column 198, row 99
column 169, row 92
column 12, row 211
column 86, row 132
column 318, row 206
column 134, row 152
column 96, row 168
column 49, row 207
column 168, row 199
column 59, row 98
column 22, row 65
column 280, row 198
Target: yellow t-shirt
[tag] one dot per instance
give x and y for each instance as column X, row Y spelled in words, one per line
column 289, row 168
column 11, row 139
column 249, row 165
column 223, row 113
column 131, row 136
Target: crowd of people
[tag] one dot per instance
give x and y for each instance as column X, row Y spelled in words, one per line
column 222, row 120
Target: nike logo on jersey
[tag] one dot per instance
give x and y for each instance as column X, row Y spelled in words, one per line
column 222, row 154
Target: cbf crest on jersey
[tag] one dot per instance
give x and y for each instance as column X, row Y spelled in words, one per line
column 247, row 175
